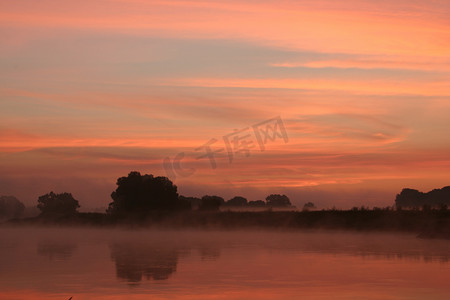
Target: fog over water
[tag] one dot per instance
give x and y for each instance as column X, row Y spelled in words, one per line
column 58, row 263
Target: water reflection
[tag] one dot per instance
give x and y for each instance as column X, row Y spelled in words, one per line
column 136, row 260
column 56, row 250
column 376, row 246
column 254, row 264
column 209, row 252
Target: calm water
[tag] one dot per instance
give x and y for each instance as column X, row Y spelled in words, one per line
column 155, row 264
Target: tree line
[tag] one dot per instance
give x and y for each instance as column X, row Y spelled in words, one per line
column 411, row 198
column 138, row 194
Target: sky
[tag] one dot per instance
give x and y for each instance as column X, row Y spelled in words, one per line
column 350, row 98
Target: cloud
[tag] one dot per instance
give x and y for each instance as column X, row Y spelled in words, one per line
column 95, row 89
column 407, row 62
column 361, row 87
column 411, row 29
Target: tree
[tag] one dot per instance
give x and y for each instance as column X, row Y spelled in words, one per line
column 409, row 198
column 192, row 202
column 309, row 206
column 438, row 197
column 257, row 203
column 140, row 194
column 211, row 203
column 277, row 200
column 415, row 199
column 10, row 207
column 63, row 203
column 237, row 201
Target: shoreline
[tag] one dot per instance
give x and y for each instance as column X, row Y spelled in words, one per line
column 425, row 224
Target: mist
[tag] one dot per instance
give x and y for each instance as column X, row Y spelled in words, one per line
column 91, row 262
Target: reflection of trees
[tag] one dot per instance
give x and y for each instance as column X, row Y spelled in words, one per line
column 136, row 260
column 60, row 250
column 373, row 246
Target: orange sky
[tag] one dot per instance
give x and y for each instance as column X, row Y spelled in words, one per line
column 90, row 90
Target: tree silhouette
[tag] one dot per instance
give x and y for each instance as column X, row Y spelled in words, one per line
column 309, row 206
column 257, row 203
column 11, row 207
column 52, row 203
column 140, row 194
column 56, row 249
column 439, row 197
column 237, row 201
column 192, row 202
column 211, row 203
column 409, row 198
column 278, row 200
column 414, row 198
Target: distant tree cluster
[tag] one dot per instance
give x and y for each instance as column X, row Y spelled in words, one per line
column 148, row 198
column 10, row 207
column 215, row 202
column 141, row 194
column 58, row 204
column 277, row 200
column 414, row 198
column 193, row 202
column 211, row 202
column 237, row 201
column 257, row 203
column 309, row 206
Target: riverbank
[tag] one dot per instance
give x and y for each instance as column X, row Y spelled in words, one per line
column 427, row 224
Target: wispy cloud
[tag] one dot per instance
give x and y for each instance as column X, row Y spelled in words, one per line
column 98, row 88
